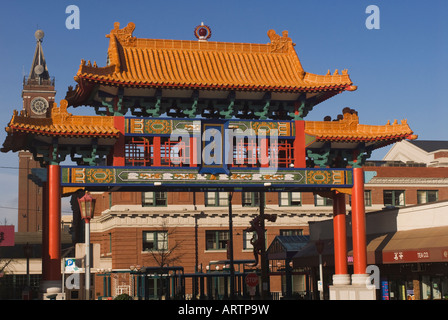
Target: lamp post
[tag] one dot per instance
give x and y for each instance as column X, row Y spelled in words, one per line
column 265, row 289
column 230, row 249
column 196, row 269
column 27, row 291
column 320, row 249
column 86, row 207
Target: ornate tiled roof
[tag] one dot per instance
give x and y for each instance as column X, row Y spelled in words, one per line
column 348, row 129
column 275, row 66
column 63, row 123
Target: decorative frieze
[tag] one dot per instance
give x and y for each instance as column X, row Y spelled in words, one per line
column 177, row 176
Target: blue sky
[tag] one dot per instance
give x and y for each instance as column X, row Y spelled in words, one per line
column 401, row 70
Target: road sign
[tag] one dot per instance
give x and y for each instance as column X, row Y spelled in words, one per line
column 252, row 279
column 70, row 265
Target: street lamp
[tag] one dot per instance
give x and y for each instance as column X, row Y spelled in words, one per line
column 320, row 249
column 230, row 248
column 86, row 207
column 27, row 291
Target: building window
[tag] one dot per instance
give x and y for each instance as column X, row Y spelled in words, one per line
column 291, row 232
column 110, row 242
column 322, row 201
column 368, row 198
column 216, row 199
column 425, row 196
column 155, row 240
column 154, row 199
column 250, row 199
column 289, row 199
column 393, row 198
column 216, row 239
column 247, row 237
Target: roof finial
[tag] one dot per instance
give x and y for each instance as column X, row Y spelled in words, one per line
column 202, row 32
column 39, row 35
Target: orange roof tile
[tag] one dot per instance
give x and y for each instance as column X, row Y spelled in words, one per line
column 63, row 123
column 348, row 129
column 204, row 64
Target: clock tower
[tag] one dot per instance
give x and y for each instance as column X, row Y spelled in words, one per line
column 38, row 88
column 38, row 96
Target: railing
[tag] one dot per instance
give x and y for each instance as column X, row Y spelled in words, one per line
column 37, row 81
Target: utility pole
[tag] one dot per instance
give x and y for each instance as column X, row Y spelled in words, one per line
column 230, row 249
column 265, row 290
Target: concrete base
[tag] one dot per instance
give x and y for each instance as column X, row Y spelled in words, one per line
column 351, row 292
column 359, row 289
column 361, row 280
column 341, row 279
column 53, row 296
column 51, row 289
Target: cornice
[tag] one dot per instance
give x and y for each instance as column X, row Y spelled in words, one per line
column 407, row 181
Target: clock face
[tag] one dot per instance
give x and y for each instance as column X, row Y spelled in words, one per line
column 39, row 105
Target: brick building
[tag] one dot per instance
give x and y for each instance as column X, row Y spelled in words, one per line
column 129, row 224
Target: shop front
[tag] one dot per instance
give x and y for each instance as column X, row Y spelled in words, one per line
column 414, row 281
column 412, row 263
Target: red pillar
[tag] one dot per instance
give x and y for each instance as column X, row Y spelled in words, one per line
column 52, row 258
column 299, row 145
column 193, row 152
column 119, row 155
column 157, row 151
column 340, row 234
column 358, row 223
column 264, row 152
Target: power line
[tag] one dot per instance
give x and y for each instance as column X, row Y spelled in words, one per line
column 17, row 168
column 13, row 208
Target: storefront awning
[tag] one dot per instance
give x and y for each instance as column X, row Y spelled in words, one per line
column 410, row 246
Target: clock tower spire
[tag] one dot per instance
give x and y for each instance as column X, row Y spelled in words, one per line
column 38, row 88
column 38, row 96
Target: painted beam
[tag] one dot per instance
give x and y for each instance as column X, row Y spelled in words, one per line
column 173, row 177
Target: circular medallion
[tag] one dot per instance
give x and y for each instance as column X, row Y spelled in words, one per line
column 39, row 105
column 202, row 32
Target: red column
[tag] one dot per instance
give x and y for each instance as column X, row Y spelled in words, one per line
column 340, row 234
column 156, row 151
column 119, row 155
column 53, row 255
column 299, row 145
column 358, row 223
column 264, row 152
column 193, row 152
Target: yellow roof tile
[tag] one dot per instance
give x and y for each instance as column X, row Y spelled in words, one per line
column 63, row 123
column 347, row 128
column 205, row 64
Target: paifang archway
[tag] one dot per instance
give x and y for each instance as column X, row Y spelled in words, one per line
column 192, row 115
